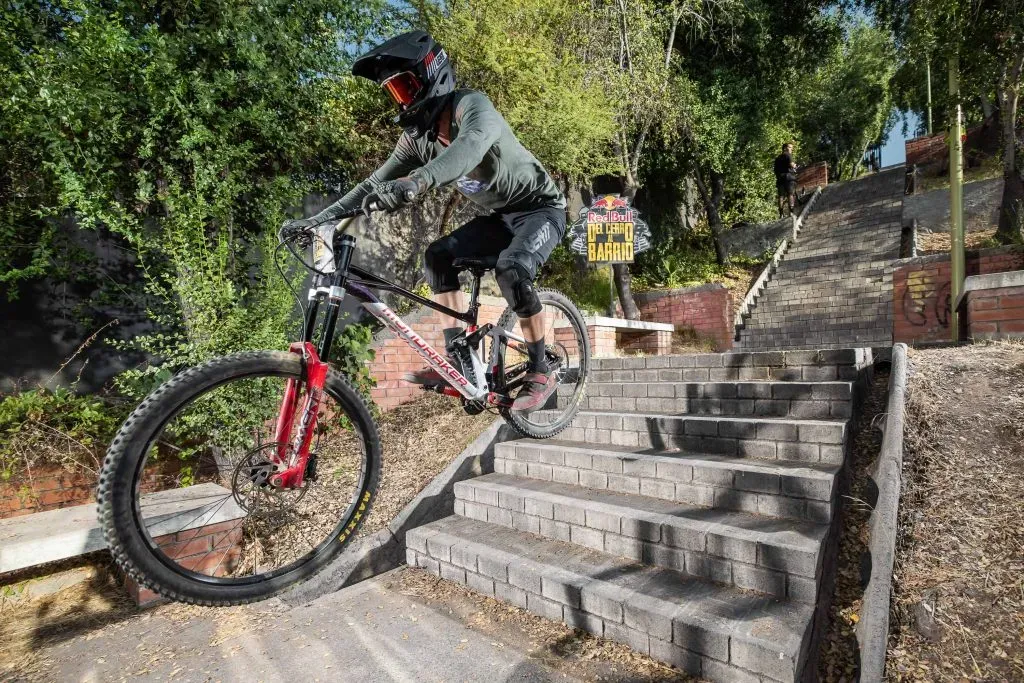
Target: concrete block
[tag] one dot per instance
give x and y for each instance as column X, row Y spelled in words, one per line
column 681, row 658
column 510, row 594
column 480, row 583
column 591, row 538
column 627, row 636
column 540, row 606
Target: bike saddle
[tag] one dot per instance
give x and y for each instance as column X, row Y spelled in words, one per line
column 476, row 265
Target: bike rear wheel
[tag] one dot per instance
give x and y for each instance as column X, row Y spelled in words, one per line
column 184, row 497
column 568, row 346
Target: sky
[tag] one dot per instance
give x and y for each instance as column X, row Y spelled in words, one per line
column 893, row 151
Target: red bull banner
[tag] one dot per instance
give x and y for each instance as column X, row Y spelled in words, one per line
column 609, row 231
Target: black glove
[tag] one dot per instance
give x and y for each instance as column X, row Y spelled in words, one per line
column 293, row 228
column 393, row 194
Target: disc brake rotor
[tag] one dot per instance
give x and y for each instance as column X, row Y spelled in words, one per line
column 251, row 487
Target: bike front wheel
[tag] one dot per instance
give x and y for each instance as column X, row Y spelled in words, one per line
column 185, row 500
column 568, row 351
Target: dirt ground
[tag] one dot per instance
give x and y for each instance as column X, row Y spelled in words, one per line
column 418, row 440
column 958, row 604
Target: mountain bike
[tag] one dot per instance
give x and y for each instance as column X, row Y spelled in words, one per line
column 240, row 477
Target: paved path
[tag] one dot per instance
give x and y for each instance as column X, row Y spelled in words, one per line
column 371, row 632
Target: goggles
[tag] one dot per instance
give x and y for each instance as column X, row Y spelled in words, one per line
column 403, row 88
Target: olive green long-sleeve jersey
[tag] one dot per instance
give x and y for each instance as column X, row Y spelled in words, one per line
column 484, row 159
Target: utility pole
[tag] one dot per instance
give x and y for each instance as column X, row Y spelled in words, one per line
column 956, row 198
column 928, row 69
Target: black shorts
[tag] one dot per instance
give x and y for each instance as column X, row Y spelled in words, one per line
column 785, row 186
column 526, row 238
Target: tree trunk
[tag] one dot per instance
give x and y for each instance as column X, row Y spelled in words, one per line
column 1012, row 205
column 712, row 199
column 620, row 271
column 987, row 108
column 448, row 213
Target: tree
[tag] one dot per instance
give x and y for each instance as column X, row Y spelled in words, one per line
column 988, row 38
column 185, row 128
column 847, row 100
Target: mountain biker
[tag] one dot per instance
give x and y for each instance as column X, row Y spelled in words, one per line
column 458, row 137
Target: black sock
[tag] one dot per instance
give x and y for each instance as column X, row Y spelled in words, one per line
column 538, row 361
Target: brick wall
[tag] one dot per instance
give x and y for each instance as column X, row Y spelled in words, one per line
column 49, row 488
column 812, row 176
column 996, row 313
column 707, row 310
column 921, row 290
column 926, row 150
column 394, row 357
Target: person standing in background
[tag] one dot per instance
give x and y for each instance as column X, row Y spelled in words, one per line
column 785, row 179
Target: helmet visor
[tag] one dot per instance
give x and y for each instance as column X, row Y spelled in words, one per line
column 403, row 88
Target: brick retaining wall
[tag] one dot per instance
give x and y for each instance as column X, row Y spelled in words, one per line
column 996, row 313
column 926, row 150
column 707, row 310
column 394, row 357
column 810, row 177
column 49, row 488
column 921, row 290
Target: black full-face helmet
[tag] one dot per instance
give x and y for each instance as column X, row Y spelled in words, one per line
column 416, row 72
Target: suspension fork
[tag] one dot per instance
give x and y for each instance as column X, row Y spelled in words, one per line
column 293, row 451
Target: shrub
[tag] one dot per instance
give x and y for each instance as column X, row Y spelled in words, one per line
column 40, row 427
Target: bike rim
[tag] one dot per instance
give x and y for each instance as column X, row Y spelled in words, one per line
column 242, row 533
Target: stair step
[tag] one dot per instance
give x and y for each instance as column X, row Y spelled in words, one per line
column 774, row 556
column 778, row 488
column 780, row 366
column 767, row 438
column 821, row 400
column 711, row 631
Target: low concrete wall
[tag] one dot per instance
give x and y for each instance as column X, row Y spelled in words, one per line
column 873, row 628
column 754, row 240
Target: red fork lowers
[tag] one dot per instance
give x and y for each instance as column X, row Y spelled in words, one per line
column 295, row 457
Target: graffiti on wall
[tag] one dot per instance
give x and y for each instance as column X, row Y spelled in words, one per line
column 926, row 299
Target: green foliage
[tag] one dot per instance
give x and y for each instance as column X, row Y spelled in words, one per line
column 55, row 427
column 352, row 353
column 525, row 55
column 185, row 128
column 588, row 287
column 847, row 101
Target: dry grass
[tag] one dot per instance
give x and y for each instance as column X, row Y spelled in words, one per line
column 939, row 242
column 958, row 604
column 419, row 439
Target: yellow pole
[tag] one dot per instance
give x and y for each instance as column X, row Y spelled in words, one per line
column 956, row 198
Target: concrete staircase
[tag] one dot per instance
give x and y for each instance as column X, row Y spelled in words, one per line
column 689, row 512
column 832, row 288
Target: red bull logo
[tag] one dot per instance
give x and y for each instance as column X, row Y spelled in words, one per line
column 610, row 201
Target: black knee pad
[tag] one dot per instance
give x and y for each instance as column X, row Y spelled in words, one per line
column 437, row 267
column 517, row 288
